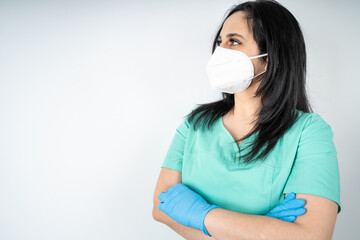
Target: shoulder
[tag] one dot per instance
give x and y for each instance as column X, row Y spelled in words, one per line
column 315, row 125
column 308, row 122
column 184, row 126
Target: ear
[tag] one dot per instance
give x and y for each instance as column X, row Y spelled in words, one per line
column 266, row 62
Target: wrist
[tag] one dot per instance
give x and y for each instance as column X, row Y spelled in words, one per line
column 211, row 207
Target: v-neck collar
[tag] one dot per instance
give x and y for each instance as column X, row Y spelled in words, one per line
column 223, row 128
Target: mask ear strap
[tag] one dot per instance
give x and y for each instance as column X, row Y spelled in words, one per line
column 258, row 56
column 259, row 74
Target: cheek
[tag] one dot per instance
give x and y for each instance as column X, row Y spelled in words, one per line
column 259, row 66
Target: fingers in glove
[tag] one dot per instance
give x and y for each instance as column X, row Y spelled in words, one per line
column 288, row 219
column 289, row 197
column 291, row 204
column 163, row 196
column 295, row 203
column 293, row 212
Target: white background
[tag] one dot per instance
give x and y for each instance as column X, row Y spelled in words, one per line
column 91, row 93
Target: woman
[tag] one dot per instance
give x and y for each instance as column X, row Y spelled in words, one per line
column 232, row 162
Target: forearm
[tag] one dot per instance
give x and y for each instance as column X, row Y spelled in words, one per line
column 186, row 232
column 223, row 224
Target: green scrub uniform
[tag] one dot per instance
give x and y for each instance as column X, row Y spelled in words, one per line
column 304, row 160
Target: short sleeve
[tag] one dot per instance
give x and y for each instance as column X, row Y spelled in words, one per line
column 174, row 155
column 315, row 168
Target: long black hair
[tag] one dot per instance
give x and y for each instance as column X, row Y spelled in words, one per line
column 282, row 88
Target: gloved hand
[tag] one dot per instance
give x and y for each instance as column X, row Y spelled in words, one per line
column 288, row 209
column 185, row 206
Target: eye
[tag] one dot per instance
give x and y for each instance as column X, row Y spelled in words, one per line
column 231, row 40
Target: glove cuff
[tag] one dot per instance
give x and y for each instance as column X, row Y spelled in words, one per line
column 211, row 207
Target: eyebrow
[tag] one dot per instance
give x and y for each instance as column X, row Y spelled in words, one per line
column 232, row 35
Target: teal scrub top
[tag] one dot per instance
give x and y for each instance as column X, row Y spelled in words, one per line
column 304, row 160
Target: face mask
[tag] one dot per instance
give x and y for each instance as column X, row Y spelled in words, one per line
column 230, row 71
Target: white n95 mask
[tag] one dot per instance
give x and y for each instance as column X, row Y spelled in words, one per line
column 230, row 71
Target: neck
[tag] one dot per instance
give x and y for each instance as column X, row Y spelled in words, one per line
column 246, row 107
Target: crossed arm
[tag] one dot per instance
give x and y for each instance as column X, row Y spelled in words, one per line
column 317, row 223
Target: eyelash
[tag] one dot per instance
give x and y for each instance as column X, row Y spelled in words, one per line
column 231, row 40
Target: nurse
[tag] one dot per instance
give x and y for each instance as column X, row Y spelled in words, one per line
column 257, row 164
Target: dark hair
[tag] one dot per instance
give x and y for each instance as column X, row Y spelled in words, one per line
column 282, row 88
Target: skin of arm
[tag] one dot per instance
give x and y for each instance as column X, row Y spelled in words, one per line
column 317, row 223
column 168, row 178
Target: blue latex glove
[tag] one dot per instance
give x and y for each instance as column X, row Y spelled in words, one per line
column 288, row 209
column 185, row 206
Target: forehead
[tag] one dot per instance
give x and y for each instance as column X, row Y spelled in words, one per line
column 236, row 23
